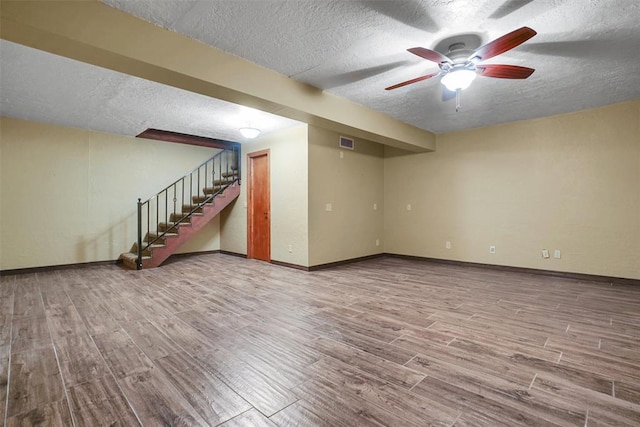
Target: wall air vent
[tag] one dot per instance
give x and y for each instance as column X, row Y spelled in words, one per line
column 346, row 143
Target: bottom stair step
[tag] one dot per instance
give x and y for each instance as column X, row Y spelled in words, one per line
column 130, row 260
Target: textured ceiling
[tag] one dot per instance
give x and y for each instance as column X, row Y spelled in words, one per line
column 47, row 88
column 586, row 54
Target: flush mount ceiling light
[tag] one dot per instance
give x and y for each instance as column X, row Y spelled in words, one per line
column 458, row 79
column 249, row 133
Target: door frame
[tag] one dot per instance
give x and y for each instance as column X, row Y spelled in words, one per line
column 250, row 201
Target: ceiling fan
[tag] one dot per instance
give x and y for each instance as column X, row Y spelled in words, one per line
column 459, row 66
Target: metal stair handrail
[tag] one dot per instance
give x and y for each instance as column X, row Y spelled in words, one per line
column 227, row 165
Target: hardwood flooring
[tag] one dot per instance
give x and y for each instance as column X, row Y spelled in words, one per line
column 219, row 340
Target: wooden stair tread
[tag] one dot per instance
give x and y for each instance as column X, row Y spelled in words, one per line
column 173, row 226
column 130, row 260
column 155, row 245
column 197, row 208
column 154, row 235
column 147, row 251
column 178, row 218
column 201, row 200
column 211, row 190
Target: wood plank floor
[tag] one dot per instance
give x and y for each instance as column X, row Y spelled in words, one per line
column 219, row 340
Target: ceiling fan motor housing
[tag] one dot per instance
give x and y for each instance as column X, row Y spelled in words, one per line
column 458, row 53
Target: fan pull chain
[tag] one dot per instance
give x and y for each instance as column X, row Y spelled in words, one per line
column 458, row 93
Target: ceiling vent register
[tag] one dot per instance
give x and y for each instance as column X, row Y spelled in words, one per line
column 346, row 143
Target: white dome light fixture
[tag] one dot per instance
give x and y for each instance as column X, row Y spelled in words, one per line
column 249, row 133
column 458, row 79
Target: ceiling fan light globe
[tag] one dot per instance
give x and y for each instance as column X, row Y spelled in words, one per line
column 249, row 133
column 458, row 79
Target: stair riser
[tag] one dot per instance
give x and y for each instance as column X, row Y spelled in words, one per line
column 130, row 260
column 146, row 252
column 161, row 241
column 162, row 228
column 201, row 199
column 208, row 190
column 178, row 218
column 129, row 263
column 187, row 208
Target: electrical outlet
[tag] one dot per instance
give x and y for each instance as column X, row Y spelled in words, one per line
column 408, row 207
column 556, row 254
column 492, row 249
column 342, row 155
column 328, row 207
column 375, row 206
column 545, row 253
column 377, row 242
column 290, row 248
column 447, row 245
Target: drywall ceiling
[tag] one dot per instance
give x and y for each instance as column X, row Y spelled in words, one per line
column 47, row 88
column 586, row 54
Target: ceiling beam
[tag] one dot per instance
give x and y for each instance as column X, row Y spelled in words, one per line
column 183, row 138
column 92, row 32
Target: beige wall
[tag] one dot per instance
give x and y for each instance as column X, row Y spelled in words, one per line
column 68, row 195
column 569, row 182
column 288, row 179
column 352, row 182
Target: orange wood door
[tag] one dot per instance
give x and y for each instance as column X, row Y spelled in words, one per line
column 259, row 207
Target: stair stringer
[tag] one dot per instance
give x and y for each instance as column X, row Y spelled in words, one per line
column 185, row 231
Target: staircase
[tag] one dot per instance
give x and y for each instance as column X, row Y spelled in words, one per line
column 175, row 214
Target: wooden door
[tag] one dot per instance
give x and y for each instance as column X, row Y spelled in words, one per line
column 259, row 206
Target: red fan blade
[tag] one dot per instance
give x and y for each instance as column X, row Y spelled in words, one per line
column 504, row 71
column 429, row 54
column 503, row 44
column 408, row 82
